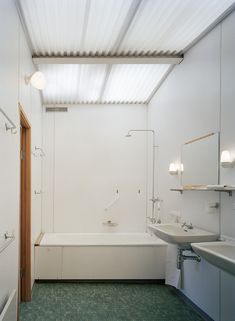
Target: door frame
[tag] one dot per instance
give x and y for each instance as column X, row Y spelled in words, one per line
column 25, row 209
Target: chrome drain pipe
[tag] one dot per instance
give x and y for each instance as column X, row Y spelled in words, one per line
column 181, row 257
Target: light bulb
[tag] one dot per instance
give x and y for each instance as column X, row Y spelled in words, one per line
column 38, row 80
column 173, row 169
column 181, row 167
column 226, row 159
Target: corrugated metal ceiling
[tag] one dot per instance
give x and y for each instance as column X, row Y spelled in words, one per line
column 80, row 84
column 169, row 26
column 132, row 83
column 104, row 27
column 112, row 28
column 73, row 83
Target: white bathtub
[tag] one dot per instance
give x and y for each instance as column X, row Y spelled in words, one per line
column 100, row 256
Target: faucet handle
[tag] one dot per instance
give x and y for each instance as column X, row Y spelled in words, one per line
column 190, row 226
column 152, row 219
column 155, row 199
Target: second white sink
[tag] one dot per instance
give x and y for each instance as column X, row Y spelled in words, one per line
column 174, row 233
column 220, row 254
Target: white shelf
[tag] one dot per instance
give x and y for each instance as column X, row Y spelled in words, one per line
column 225, row 189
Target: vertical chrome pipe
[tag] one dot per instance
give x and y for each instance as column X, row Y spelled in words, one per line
column 153, row 199
column 153, row 178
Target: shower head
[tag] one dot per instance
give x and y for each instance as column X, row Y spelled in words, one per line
column 129, row 133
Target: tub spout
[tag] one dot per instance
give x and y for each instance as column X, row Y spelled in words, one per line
column 110, row 223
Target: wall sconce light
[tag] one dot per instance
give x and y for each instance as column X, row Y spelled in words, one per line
column 173, row 170
column 37, row 80
column 181, row 167
column 226, row 159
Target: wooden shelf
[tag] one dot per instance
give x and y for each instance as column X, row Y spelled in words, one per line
column 228, row 190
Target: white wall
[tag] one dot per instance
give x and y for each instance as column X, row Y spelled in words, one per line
column 196, row 99
column 30, row 100
column 227, row 120
column 228, row 142
column 88, row 159
column 9, row 160
column 15, row 63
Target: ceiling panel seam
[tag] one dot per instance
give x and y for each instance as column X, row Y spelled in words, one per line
column 126, row 25
column 26, row 33
column 120, row 60
column 85, row 24
column 46, row 105
column 107, row 74
column 208, row 29
column 24, row 26
column 160, row 83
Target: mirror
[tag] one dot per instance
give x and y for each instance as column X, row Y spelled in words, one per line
column 200, row 159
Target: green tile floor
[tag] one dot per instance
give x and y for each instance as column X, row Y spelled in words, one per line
column 105, row 302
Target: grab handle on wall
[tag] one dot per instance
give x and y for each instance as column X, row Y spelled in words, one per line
column 9, row 310
column 12, row 126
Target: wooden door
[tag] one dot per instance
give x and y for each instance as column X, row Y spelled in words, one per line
column 25, row 208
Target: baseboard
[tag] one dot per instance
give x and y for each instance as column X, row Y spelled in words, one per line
column 205, row 316
column 127, row 281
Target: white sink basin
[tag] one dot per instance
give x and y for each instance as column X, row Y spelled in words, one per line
column 174, row 233
column 220, row 254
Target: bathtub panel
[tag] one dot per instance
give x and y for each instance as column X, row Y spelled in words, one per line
column 100, row 256
column 48, row 262
column 119, row 262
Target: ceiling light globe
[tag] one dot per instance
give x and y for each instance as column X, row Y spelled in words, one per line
column 38, row 80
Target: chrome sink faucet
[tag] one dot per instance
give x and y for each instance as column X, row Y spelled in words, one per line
column 189, row 226
column 152, row 219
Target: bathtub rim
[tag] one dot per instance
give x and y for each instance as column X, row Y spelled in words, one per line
column 157, row 243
